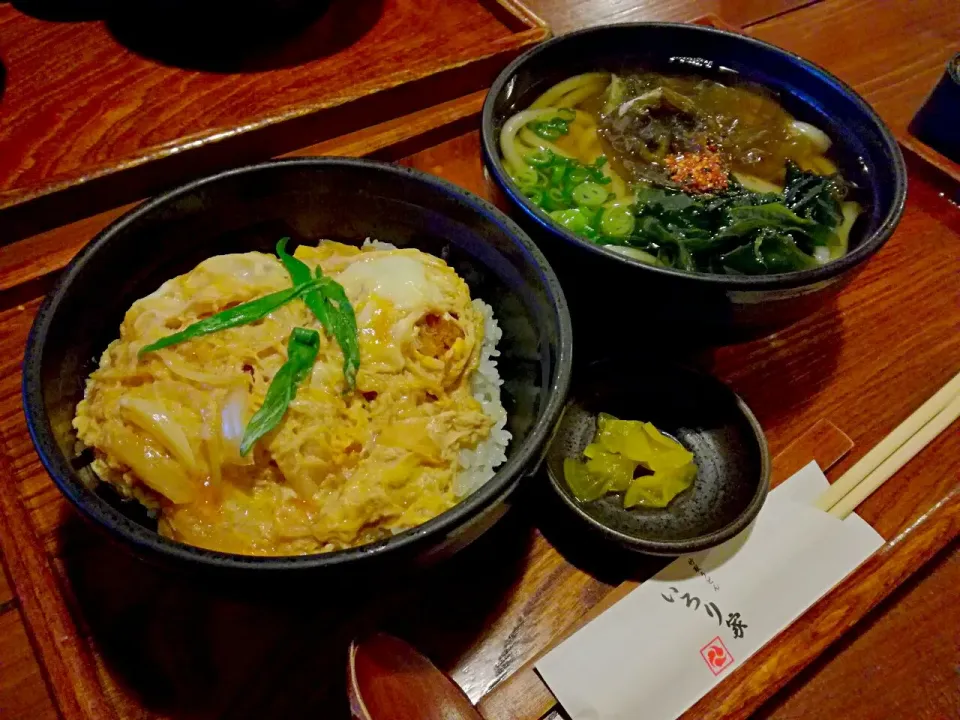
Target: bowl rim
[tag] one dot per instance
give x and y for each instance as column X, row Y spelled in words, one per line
column 699, row 542
column 524, row 461
column 868, row 246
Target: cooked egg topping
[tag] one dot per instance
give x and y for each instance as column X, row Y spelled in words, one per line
column 340, row 469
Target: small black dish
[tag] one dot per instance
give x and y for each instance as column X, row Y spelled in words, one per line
column 937, row 123
column 710, row 308
column 249, row 209
column 703, row 414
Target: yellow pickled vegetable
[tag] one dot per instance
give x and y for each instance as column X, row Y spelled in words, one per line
column 616, row 470
column 585, row 487
column 658, row 489
column 631, row 456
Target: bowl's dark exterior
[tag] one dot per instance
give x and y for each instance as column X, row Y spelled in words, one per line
column 725, row 307
column 250, row 209
column 936, row 121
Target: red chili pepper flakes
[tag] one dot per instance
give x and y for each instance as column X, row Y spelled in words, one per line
column 701, row 171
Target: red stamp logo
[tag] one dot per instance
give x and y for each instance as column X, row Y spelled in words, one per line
column 716, row 655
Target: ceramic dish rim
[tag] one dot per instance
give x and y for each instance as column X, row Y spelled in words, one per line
column 868, row 245
column 699, row 542
column 106, row 516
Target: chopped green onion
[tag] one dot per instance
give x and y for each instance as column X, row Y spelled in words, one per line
column 343, row 322
column 557, row 174
column 539, row 158
column 573, row 220
column 591, row 195
column 617, row 222
column 553, row 199
column 300, row 273
column 567, row 114
column 578, row 175
column 547, row 132
column 535, row 195
column 551, row 128
column 526, row 178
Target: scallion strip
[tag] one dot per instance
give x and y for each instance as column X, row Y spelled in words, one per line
column 330, row 305
column 243, row 314
column 302, row 349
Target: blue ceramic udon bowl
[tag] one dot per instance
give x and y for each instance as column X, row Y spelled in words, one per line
column 721, row 305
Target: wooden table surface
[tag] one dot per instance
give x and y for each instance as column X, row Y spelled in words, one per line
column 902, row 660
column 114, row 105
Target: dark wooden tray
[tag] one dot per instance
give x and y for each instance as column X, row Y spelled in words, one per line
column 524, row 695
column 95, row 114
column 119, row 639
column 919, row 148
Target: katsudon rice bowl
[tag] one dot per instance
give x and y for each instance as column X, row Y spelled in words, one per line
column 299, row 364
column 422, row 428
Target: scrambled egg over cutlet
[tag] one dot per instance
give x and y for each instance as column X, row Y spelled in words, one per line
column 340, row 470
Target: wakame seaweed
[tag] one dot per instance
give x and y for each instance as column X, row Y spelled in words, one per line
column 738, row 231
column 682, row 171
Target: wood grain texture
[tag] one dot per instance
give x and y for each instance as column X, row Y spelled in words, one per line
column 524, row 696
column 575, row 14
column 30, row 259
column 824, row 442
column 894, row 60
column 926, row 153
column 876, row 673
column 528, row 601
column 64, row 654
column 6, row 592
column 85, row 107
column 119, row 638
column 23, row 694
column 822, row 368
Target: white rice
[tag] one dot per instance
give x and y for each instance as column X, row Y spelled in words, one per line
column 477, row 466
column 377, row 245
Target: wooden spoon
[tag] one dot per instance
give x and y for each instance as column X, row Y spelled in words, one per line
column 387, row 679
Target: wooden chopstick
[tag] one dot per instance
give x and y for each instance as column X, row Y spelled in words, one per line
column 900, row 435
column 938, row 423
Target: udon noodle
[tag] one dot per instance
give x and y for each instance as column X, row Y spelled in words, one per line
column 682, row 171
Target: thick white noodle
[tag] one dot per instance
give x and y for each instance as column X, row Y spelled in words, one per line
column 578, row 95
column 562, row 88
column 531, row 139
column 817, row 136
column 508, row 134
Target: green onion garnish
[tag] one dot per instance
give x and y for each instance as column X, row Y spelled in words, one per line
column 302, row 351
column 332, row 308
column 243, row 314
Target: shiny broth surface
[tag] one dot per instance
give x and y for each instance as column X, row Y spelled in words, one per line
column 682, row 171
